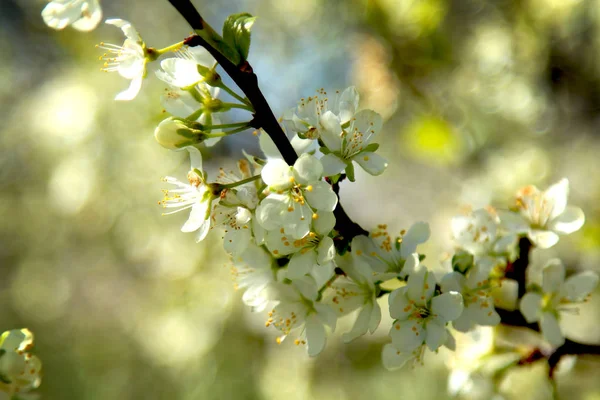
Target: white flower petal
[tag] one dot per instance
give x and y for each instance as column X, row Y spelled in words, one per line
column 197, row 217
column 393, row 358
column 325, row 250
column 436, row 335
column 307, row 169
column 551, row 329
column 543, row 239
column 400, row 307
column 513, row 222
column 347, row 104
column 556, row 195
column 453, row 281
column 372, row 163
column 268, row 146
column 579, row 286
column 315, row 336
column 420, row 286
column 553, row 276
column 131, row 91
column 277, row 174
column 330, row 132
column 361, row 325
column 301, row 264
column 417, row 234
column 324, row 223
column 236, row 241
column 447, row 306
column 569, row 221
column 375, row 317
column 407, row 335
column 322, row 197
column 332, row 165
column 530, row 306
column 90, row 19
column 202, row 231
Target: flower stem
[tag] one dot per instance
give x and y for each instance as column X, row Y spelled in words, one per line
column 242, row 182
column 173, row 47
column 236, row 105
column 231, row 132
column 236, row 96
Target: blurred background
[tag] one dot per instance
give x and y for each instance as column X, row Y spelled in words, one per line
column 479, row 98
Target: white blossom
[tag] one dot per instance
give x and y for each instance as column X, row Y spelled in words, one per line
column 351, row 144
column 475, row 289
column 297, row 195
column 298, row 311
column 356, row 290
column 195, row 196
column 387, row 254
column 19, row 370
column 129, row 60
column 306, row 118
column 544, row 215
column 420, row 318
column 478, row 233
column 544, row 306
column 253, row 271
column 313, row 254
column 83, row 15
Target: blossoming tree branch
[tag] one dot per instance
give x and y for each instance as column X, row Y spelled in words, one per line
column 294, row 250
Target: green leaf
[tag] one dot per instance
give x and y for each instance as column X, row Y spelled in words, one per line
column 371, row 148
column 350, row 171
column 236, row 34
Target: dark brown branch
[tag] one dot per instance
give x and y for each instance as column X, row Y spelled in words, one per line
column 517, row 270
column 264, row 118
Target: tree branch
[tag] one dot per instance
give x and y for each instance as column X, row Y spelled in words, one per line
column 247, row 81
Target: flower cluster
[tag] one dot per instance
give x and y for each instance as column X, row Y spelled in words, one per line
column 277, row 215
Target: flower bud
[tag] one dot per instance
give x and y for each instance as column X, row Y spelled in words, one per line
column 176, row 133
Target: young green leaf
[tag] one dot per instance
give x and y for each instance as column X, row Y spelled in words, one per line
column 236, row 33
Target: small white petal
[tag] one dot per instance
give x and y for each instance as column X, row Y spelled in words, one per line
column 325, row 250
column 557, row 195
column 196, row 218
column 315, row 336
column 131, row 91
column 447, row 306
column 551, row 329
column 268, row 146
column 407, row 335
column 453, row 281
column 530, row 306
column 400, row 306
column 436, row 335
column 372, row 163
column 236, row 241
column 324, row 223
column 580, row 285
column 543, row 239
column 332, row 165
column 361, row 325
column 301, row 264
column 569, row 221
column 322, row 197
column 553, row 276
column 417, row 234
column 277, row 174
column 203, row 231
column 330, row 131
column 307, row 169
column 393, row 358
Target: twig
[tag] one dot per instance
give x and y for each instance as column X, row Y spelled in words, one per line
column 247, row 81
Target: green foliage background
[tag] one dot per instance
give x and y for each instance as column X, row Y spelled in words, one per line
column 479, row 98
